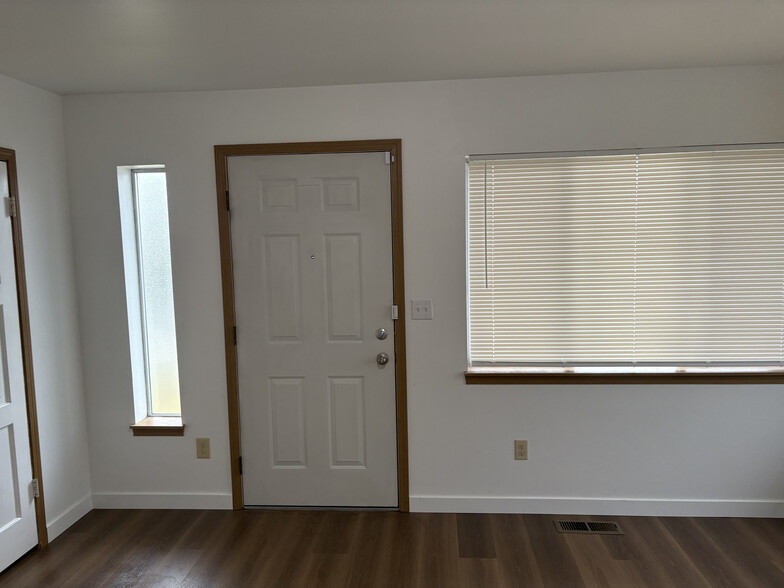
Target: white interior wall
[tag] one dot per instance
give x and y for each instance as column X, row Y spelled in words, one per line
column 31, row 123
column 655, row 449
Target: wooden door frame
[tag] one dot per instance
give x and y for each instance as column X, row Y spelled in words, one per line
column 9, row 157
column 392, row 146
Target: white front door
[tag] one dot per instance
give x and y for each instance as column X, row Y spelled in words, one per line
column 312, row 261
column 18, row 531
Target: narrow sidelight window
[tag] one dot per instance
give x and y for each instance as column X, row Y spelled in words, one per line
column 159, row 334
column 148, row 274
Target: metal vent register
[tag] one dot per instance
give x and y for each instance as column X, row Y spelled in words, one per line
column 593, row 527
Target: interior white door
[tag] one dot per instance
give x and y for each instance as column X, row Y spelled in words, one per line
column 18, row 532
column 312, row 262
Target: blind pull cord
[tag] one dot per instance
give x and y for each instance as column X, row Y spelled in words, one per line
column 487, row 281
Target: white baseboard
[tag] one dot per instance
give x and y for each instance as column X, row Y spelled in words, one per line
column 598, row 506
column 159, row 500
column 460, row 504
column 67, row 518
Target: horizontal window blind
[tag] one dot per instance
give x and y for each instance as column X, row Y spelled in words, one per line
column 672, row 258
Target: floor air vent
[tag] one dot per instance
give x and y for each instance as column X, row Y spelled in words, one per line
column 593, row 527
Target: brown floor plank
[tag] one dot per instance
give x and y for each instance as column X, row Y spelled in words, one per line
column 439, row 561
column 704, row 553
column 618, row 547
column 407, row 550
column 172, row 570
column 661, row 560
column 516, row 559
column 478, row 573
column 377, row 549
column 305, row 532
column 282, row 538
column 768, row 530
column 224, row 531
column 757, row 568
column 370, row 562
column 52, row 565
column 329, row 570
column 106, row 562
column 475, row 536
column 338, row 532
column 758, row 536
column 255, row 535
column 151, row 549
column 597, row 567
column 553, row 556
column 774, row 526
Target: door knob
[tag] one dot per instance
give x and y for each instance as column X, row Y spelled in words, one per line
column 381, row 333
column 382, row 359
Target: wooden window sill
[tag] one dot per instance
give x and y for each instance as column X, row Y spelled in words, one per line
column 159, row 426
column 608, row 375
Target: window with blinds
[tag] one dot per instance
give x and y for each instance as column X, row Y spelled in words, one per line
column 633, row 258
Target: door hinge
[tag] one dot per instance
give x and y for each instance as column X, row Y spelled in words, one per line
column 36, row 488
column 12, row 207
column 240, row 461
column 234, row 334
column 228, row 204
column 394, row 312
column 389, row 158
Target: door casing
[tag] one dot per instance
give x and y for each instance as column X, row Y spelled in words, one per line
column 392, row 146
column 9, row 156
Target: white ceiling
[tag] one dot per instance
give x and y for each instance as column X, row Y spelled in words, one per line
column 89, row 46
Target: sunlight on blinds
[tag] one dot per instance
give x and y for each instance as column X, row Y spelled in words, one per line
column 632, row 258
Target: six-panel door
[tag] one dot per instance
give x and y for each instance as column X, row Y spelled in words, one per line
column 18, row 532
column 312, row 263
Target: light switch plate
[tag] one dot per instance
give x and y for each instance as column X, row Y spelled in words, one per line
column 422, row 310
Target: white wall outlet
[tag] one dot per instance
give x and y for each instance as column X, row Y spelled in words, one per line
column 422, row 310
column 521, row 448
column 203, row 448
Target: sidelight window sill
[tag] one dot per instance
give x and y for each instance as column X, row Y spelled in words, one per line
column 624, row 375
column 159, row 426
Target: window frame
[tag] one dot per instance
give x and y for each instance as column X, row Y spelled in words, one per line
column 146, row 422
column 135, row 172
column 608, row 374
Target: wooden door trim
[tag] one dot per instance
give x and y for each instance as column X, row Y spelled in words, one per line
column 394, row 147
column 9, row 156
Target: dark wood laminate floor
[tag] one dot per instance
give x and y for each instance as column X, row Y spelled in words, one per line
column 310, row 548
